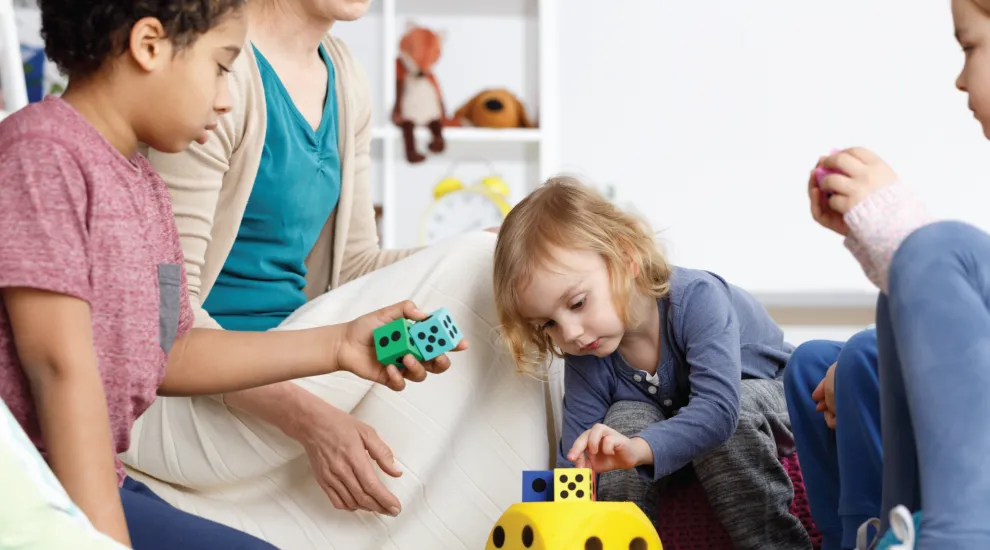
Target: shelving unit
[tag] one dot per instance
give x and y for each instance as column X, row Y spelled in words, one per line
column 11, row 67
column 529, row 154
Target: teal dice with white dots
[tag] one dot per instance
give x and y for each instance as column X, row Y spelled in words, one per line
column 436, row 335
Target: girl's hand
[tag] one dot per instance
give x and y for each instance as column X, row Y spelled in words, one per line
column 861, row 173
column 603, row 449
column 356, row 350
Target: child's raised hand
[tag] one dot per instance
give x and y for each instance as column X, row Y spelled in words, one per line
column 861, row 173
column 603, row 449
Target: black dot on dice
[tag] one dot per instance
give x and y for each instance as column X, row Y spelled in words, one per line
column 580, row 494
column 446, row 323
column 383, row 342
column 443, row 342
column 411, row 343
column 539, row 485
column 527, row 536
column 563, row 478
column 454, row 330
column 579, row 478
column 396, row 336
column 432, row 339
column 429, row 348
column 637, row 544
column 498, row 536
column 593, row 543
column 572, row 485
column 434, row 329
column 563, row 494
column 421, row 336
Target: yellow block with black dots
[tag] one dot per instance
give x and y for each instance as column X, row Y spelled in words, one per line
column 573, row 525
column 573, row 484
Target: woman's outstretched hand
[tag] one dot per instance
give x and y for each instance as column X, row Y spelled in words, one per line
column 343, row 452
column 356, row 350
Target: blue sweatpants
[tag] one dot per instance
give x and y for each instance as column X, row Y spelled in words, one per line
column 933, row 331
column 841, row 467
column 156, row 525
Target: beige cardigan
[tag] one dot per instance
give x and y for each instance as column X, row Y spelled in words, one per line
column 210, row 184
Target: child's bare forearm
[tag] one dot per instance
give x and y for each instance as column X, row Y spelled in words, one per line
column 208, row 361
column 72, row 412
column 54, row 342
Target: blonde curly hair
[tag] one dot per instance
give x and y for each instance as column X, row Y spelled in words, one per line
column 565, row 214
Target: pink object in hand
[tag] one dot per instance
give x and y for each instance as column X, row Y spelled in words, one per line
column 821, row 172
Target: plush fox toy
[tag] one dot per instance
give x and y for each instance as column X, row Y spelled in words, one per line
column 418, row 100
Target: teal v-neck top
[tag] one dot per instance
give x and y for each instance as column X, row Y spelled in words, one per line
column 295, row 190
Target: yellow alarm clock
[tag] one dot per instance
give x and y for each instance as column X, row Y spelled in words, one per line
column 459, row 208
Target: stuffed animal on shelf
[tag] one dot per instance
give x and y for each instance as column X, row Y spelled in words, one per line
column 418, row 99
column 495, row 108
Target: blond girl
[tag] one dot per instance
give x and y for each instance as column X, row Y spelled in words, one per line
column 665, row 367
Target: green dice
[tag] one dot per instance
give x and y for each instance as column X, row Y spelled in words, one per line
column 394, row 341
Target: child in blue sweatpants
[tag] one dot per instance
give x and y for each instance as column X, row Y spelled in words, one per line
column 841, row 457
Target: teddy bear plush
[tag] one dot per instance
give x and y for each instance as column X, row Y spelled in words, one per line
column 418, row 99
column 494, row 108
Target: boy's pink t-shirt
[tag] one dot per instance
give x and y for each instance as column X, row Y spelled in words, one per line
column 78, row 218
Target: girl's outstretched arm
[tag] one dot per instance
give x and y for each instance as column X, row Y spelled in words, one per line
column 54, row 341
column 208, row 361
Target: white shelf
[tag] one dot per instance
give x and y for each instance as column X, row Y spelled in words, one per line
column 540, row 143
column 467, row 134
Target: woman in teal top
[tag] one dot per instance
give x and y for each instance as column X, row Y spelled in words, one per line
column 296, row 189
column 273, row 210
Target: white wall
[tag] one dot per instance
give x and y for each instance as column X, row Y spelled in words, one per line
column 709, row 115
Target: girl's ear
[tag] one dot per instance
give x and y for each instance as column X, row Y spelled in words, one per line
column 149, row 44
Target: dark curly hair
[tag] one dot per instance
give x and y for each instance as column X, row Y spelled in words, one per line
column 80, row 35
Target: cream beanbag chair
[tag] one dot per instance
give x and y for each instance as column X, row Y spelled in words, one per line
column 463, row 438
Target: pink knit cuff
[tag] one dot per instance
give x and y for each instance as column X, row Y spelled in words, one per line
column 859, row 252
column 879, row 224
